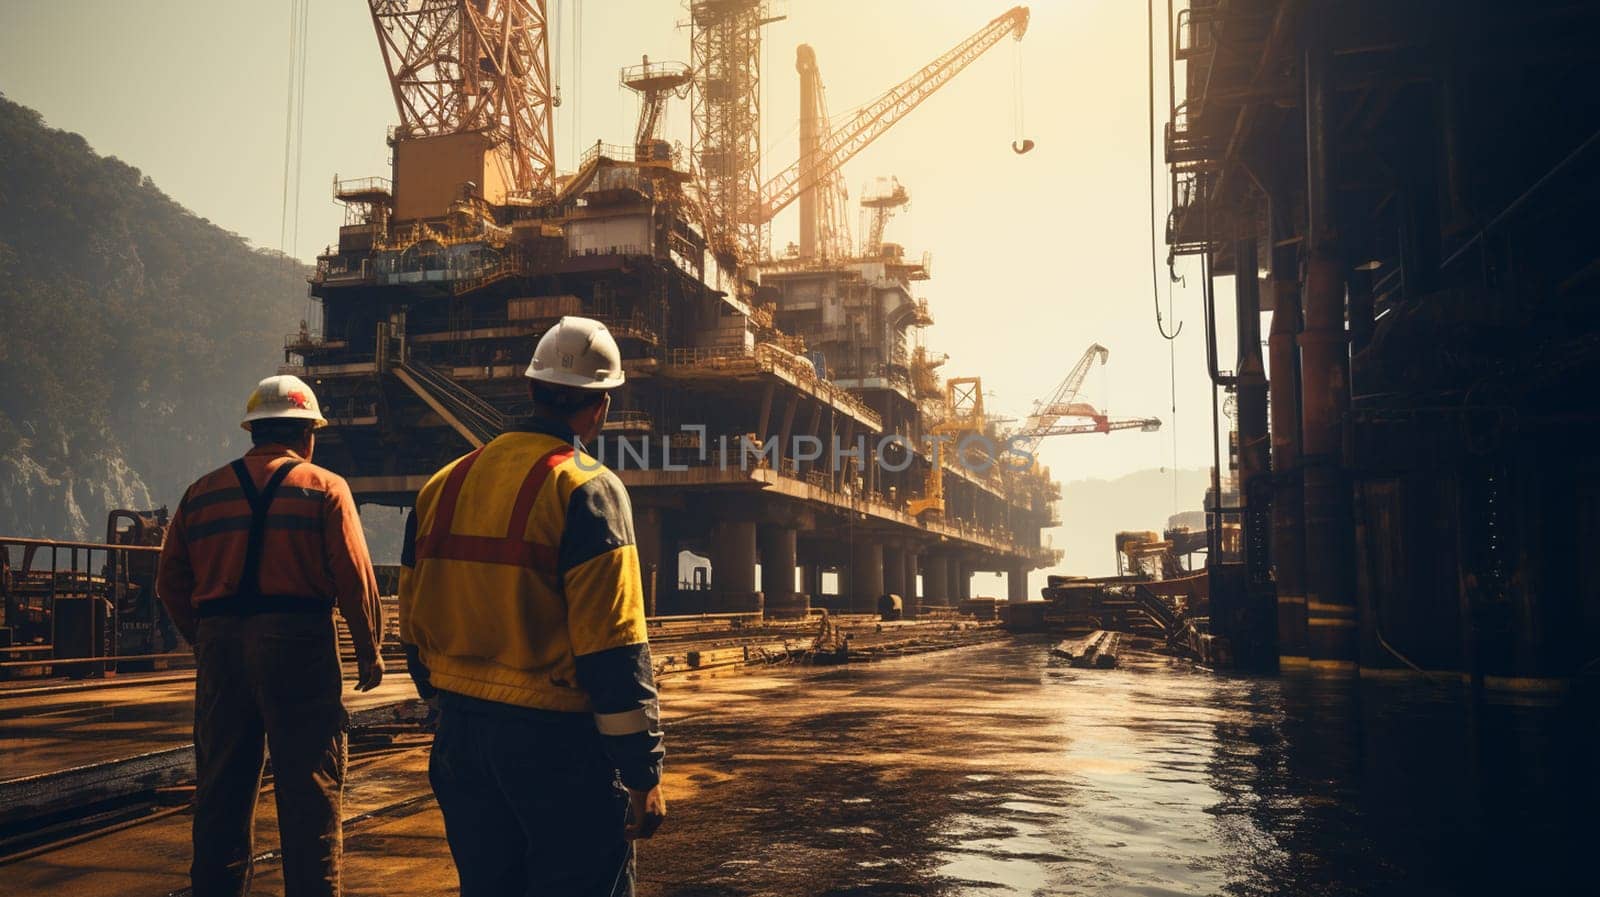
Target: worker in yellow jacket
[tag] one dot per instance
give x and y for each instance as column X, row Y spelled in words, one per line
column 522, row 613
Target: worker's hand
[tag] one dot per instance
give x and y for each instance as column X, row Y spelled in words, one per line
column 646, row 810
column 369, row 672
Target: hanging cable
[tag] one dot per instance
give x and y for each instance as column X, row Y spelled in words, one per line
column 288, row 124
column 1150, row 173
column 552, row 31
column 300, row 125
column 1172, row 376
column 577, row 77
column 1172, row 115
column 1019, row 143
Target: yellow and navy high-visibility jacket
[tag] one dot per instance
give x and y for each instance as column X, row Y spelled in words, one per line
column 520, row 586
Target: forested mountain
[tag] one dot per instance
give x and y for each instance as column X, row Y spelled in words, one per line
column 131, row 332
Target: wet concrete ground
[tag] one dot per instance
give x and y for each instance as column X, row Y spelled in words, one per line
column 989, row 770
column 46, row 729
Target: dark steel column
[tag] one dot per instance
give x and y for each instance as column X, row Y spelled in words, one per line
column 913, row 603
column 866, row 576
column 647, row 541
column 935, row 581
column 733, row 567
column 1359, row 288
column 894, row 570
column 1256, row 638
column 668, row 598
column 810, row 575
column 1288, row 500
column 1325, row 397
column 777, row 544
column 1017, row 584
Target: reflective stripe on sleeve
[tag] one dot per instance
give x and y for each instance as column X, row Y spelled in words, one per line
column 624, row 723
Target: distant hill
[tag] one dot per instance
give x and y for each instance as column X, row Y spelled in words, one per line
column 1093, row 511
column 131, row 332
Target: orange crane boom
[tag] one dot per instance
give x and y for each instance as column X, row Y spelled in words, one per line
column 1101, row 424
column 817, row 166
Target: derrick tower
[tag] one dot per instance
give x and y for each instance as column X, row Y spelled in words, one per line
column 726, row 119
column 471, row 81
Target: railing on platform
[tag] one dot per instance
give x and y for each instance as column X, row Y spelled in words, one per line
column 1194, row 30
column 660, row 151
column 768, row 357
column 353, row 189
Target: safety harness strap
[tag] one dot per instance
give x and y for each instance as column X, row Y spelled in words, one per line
column 260, row 502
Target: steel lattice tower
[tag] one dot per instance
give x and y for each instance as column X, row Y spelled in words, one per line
column 726, row 120
column 482, row 66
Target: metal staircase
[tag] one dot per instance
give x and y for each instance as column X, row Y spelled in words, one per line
column 476, row 420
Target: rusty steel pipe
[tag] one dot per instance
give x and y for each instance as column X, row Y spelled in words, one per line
column 1331, row 625
column 1288, row 504
column 1325, row 395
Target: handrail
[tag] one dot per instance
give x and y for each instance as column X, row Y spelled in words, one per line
column 1157, row 609
column 478, row 420
column 354, row 186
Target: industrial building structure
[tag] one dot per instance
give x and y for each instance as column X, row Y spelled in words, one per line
column 1409, row 189
column 775, row 410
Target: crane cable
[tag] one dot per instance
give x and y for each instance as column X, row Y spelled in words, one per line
column 552, row 33
column 288, row 123
column 300, row 126
column 1150, row 172
column 1019, row 143
column 1172, row 377
column 294, row 118
column 577, row 77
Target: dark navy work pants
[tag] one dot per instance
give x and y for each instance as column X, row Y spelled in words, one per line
column 532, row 805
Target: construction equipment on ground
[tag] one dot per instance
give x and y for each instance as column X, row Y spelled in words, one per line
column 86, row 609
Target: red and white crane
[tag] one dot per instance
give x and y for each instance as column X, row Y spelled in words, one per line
column 1063, row 414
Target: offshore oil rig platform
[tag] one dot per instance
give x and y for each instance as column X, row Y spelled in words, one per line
column 779, row 410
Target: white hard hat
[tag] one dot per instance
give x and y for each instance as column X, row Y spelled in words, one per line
column 577, row 352
column 283, row 397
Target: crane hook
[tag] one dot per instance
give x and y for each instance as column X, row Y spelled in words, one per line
column 1019, row 144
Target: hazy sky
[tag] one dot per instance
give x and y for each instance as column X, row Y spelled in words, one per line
column 1034, row 257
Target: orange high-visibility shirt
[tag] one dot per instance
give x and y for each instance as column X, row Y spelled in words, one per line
column 313, row 546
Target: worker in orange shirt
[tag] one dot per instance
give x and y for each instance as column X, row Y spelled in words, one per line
column 258, row 555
